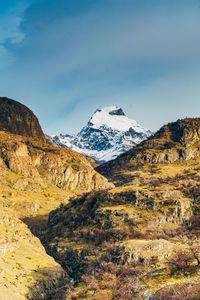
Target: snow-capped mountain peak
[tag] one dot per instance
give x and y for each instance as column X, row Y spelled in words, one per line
column 108, row 134
column 115, row 118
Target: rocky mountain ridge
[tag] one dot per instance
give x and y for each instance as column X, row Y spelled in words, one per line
column 61, row 167
column 25, row 151
column 108, row 134
column 173, row 142
column 16, row 118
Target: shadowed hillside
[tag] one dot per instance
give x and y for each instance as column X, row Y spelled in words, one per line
column 18, row 119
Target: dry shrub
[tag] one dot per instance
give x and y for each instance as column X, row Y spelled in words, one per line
column 180, row 292
column 181, row 261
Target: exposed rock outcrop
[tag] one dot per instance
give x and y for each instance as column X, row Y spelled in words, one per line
column 18, row 119
column 46, row 163
column 133, row 251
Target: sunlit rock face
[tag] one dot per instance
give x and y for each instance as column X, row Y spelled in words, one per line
column 45, row 163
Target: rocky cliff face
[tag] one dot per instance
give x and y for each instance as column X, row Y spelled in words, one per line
column 32, row 156
column 18, row 119
column 48, row 164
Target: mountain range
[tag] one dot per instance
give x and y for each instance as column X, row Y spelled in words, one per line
column 127, row 229
column 108, row 134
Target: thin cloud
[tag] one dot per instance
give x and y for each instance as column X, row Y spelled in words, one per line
column 78, row 57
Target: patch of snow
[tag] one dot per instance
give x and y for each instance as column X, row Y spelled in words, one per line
column 102, row 117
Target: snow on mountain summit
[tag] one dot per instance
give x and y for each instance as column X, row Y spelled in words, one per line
column 108, row 134
column 115, row 118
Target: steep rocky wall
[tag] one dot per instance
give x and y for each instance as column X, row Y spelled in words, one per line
column 46, row 163
column 18, row 119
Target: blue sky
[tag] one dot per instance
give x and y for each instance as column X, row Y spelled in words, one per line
column 66, row 58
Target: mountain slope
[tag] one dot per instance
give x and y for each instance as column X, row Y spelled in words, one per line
column 108, row 134
column 27, row 272
column 141, row 239
column 175, row 141
column 36, row 177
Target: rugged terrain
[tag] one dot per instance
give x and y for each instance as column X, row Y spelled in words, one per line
column 140, row 239
column 134, row 235
column 36, row 178
column 108, row 134
column 173, row 142
column 17, row 118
